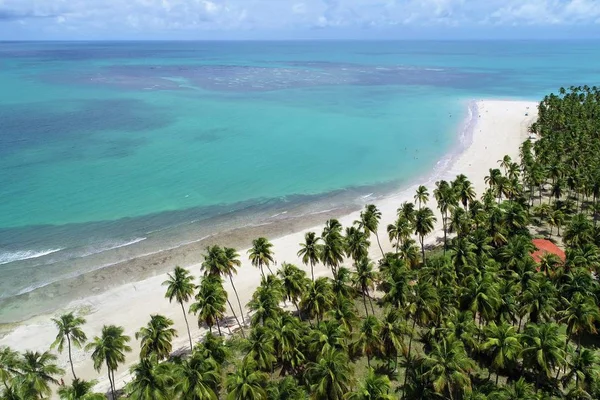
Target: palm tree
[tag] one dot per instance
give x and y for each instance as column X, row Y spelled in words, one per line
column 9, row 364
column 260, row 347
column 180, row 287
column 38, row 371
column 464, row 190
column 289, row 343
column 79, row 390
column 505, row 163
column 69, row 327
column 261, row 255
column 286, row 389
column 364, row 279
column 581, row 316
column 543, row 349
column 369, row 340
column 374, row 387
column 223, row 261
column 407, row 211
column 109, row 349
column 156, row 337
column 369, row 220
column 197, row 377
column 265, row 302
column 578, row 232
column 295, row 283
column 423, row 307
column 210, row 302
column 502, row 344
column 318, row 299
column 398, row 232
column 446, row 199
column 518, row 390
column 331, row 376
column 449, row 368
column 246, row 382
column 344, row 312
column 424, row 224
column 422, row 195
column 357, row 243
column 583, row 366
column 232, row 262
column 332, row 251
column 151, row 380
column 310, row 251
column 392, row 333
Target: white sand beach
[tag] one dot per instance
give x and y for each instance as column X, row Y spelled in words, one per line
column 500, row 129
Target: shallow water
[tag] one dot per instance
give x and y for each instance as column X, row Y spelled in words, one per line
column 109, row 151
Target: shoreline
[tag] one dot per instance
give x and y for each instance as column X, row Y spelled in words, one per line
column 495, row 128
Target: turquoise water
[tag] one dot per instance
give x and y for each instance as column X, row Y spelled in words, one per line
column 107, row 146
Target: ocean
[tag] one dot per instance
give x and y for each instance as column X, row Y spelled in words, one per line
column 119, row 160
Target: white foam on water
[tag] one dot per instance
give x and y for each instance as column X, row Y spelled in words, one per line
column 12, row 256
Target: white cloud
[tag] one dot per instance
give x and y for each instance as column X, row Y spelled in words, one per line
column 222, row 15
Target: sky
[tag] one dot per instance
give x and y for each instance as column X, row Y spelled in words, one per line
column 298, row 19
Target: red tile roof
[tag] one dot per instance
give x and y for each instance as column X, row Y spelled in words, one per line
column 544, row 246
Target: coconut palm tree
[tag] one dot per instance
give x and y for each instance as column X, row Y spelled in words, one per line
column 543, row 349
column 374, row 387
column 398, row 232
column 210, row 302
column 422, row 195
column 232, row 262
column 364, row 279
column 318, row 299
column 295, row 283
column 180, row 287
column 151, row 380
column 369, row 221
column 424, row 224
column 502, row 344
column 578, row 232
column 448, row 368
column 342, row 284
column 156, row 337
column 246, row 382
column 197, row 377
column 518, row 390
column 464, row 190
column 310, row 251
column 393, row 329
column 289, row 343
column 407, row 211
column 286, row 389
column 9, row 364
column 369, row 338
column 446, row 199
column 265, row 302
column 344, row 312
column 330, row 377
column 79, row 390
column 580, row 315
column 260, row 347
column 261, row 255
column 583, row 367
column 109, row 349
column 332, row 251
column 69, row 328
column 356, row 243
column 37, row 372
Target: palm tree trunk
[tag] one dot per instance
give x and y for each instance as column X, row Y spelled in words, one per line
column 110, row 382
column 238, row 299
column 70, row 356
column 379, row 243
column 445, row 233
column 370, row 302
column 365, row 303
column 236, row 319
column 408, row 358
column 219, row 327
column 187, row 326
column 421, row 239
column 312, row 271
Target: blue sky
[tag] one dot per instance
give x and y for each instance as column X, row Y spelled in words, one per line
column 298, row 19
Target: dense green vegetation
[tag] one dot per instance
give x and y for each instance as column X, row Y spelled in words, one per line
column 476, row 318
